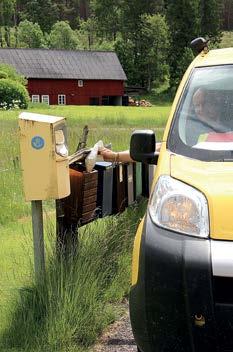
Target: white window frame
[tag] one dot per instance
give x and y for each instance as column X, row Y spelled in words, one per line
column 45, row 99
column 61, row 99
column 35, row 98
column 80, row 83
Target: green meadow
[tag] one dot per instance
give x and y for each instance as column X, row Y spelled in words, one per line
column 79, row 296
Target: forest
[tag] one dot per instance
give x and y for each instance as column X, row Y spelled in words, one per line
column 151, row 37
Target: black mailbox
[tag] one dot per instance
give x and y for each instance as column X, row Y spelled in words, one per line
column 105, row 187
column 147, row 178
column 119, row 196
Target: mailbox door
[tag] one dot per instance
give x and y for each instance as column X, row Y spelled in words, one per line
column 128, row 173
column 119, row 196
column 137, row 169
column 105, row 187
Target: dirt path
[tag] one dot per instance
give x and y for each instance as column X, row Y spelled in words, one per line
column 118, row 337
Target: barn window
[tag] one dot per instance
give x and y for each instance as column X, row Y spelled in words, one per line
column 35, row 98
column 45, row 99
column 61, row 99
column 80, row 83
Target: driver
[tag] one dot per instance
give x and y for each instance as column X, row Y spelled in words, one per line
column 206, row 106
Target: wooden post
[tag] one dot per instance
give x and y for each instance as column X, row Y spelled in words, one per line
column 38, row 239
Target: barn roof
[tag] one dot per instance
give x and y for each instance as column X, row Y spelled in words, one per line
column 64, row 64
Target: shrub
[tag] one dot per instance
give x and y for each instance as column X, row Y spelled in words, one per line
column 11, row 73
column 3, row 74
column 13, row 95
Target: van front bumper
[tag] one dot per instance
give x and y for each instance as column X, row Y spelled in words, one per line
column 177, row 303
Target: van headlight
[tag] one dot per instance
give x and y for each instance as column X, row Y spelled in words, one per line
column 179, row 207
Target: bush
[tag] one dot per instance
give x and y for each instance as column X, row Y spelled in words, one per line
column 13, row 95
column 3, row 74
column 11, row 73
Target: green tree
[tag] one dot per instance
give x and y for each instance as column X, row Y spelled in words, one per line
column 154, row 49
column 68, row 10
column 184, row 20
column 7, row 10
column 185, row 60
column 45, row 13
column 30, row 35
column 211, row 11
column 107, row 14
column 62, row 36
column 10, row 72
column 125, row 52
column 87, row 33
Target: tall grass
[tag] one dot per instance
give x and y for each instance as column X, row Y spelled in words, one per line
column 72, row 306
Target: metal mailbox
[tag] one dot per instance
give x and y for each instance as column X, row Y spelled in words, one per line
column 137, row 177
column 80, row 206
column 128, row 173
column 105, row 187
column 119, row 195
column 147, row 178
column 44, row 156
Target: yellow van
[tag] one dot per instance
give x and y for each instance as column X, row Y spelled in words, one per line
column 181, row 297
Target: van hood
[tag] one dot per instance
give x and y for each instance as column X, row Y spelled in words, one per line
column 215, row 181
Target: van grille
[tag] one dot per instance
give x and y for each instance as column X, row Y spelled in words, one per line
column 223, row 289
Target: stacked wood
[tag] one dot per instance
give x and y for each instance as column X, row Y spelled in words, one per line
column 131, row 102
column 143, row 102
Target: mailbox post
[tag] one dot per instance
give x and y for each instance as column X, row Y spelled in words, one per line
column 44, row 161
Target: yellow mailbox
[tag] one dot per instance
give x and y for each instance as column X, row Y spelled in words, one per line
column 44, row 156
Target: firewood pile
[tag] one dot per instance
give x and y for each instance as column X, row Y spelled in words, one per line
column 143, row 102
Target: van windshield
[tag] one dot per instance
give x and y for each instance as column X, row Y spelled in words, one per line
column 203, row 124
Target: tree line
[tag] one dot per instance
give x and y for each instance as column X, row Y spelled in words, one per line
column 151, row 37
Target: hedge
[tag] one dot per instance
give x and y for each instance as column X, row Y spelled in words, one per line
column 13, row 95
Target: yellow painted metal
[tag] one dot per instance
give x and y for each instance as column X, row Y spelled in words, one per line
column 214, row 180
column 136, row 253
column 45, row 172
column 215, row 57
column 163, row 167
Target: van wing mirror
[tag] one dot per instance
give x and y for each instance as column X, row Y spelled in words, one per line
column 142, row 146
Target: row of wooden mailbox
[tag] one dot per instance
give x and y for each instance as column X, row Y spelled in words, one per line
column 107, row 190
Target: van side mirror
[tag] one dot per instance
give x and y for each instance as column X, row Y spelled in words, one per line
column 142, row 146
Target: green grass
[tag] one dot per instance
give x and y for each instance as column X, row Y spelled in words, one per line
column 78, row 298
column 76, row 302
column 227, row 40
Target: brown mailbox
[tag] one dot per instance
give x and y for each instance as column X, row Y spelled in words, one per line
column 80, row 206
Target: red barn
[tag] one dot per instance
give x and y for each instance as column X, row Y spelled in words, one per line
column 69, row 77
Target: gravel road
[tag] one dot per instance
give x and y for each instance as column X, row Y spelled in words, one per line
column 117, row 338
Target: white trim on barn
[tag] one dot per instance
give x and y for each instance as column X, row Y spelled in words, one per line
column 45, row 99
column 80, row 83
column 61, row 99
column 35, row 98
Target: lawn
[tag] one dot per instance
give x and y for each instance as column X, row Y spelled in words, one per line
column 74, row 305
